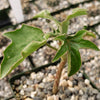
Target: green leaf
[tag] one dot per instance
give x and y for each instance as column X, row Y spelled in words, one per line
column 24, row 41
column 86, row 44
column 74, row 61
column 63, row 49
column 46, row 14
column 76, row 12
column 80, row 34
column 71, row 46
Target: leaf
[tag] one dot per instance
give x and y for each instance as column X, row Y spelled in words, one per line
column 24, row 41
column 46, row 14
column 63, row 49
column 76, row 12
column 80, row 34
column 71, row 46
column 86, row 44
column 74, row 61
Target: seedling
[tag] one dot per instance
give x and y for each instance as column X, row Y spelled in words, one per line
column 28, row 39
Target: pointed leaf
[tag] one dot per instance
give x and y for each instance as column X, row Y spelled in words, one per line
column 74, row 61
column 80, row 34
column 87, row 44
column 76, row 12
column 63, row 49
column 24, row 41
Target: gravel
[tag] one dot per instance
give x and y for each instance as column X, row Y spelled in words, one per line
column 67, row 89
column 40, row 86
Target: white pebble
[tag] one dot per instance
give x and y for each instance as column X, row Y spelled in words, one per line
column 33, row 94
column 73, row 97
column 63, row 83
column 22, row 92
column 65, row 76
column 71, row 89
column 33, row 75
column 70, row 83
column 24, row 86
column 50, row 98
column 87, row 82
column 80, row 92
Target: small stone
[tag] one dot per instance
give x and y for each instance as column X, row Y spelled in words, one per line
column 98, row 96
column 33, row 94
column 63, row 83
column 44, row 80
column 37, row 98
column 41, row 85
column 50, row 98
column 80, row 75
column 41, row 94
column 80, row 92
column 71, row 89
column 85, row 97
column 33, row 75
column 22, row 92
column 28, row 99
column 70, row 83
column 23, row 78
column 68, row 92
column 29, row 82
column 73, row 97
column 65, row 76
column 95, row 91
column 87, row 82
column 53, row 71
column 24, row 86
column 17, row 82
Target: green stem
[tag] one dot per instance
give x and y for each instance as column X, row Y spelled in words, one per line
column 51, row 46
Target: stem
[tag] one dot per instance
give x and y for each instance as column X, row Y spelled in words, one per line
column 58, row 74
column 51, row 46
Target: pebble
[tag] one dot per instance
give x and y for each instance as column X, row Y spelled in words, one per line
column 29, row 82
column 87, row 82
column 28, row 99
column 63, row 83
column 22, row 92
column 4, row 92
column 81, row 92
column 33, row 94
column 98, row 96
column 70, row 83
column 33, row 75
column 73, row 97
column 37, row 98
column 68, row 92
column 50, row 98
column 17, row 82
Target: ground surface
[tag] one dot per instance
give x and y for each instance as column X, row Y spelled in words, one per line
column 42, row 56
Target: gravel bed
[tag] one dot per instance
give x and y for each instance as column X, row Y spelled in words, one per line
column 38, row 86
column 80, row 89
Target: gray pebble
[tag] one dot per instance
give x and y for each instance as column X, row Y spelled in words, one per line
column 98, row 96
column 68, row 92
column 95, row 91
column 85, row 97
column 37, row 98
column 53, row 71
column 29, row 82
column 23, row 78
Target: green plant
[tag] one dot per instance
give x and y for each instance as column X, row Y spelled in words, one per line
column 28, row 39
